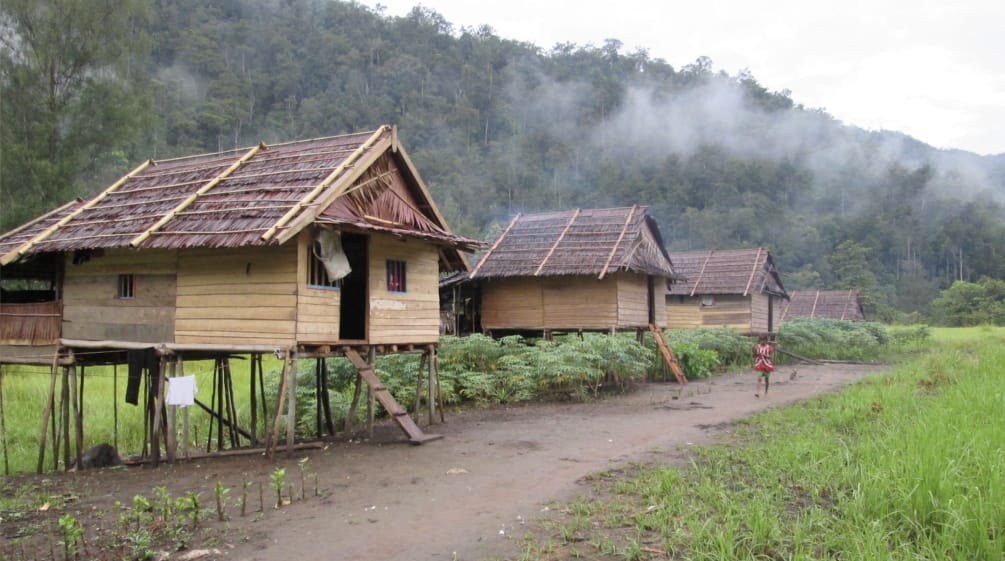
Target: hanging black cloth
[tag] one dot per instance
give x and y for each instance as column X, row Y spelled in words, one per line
column 139, row 360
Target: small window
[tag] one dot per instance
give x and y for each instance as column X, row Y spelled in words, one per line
column 707, row 301
column 396, row 276
column 125, row 291
column 317, row 275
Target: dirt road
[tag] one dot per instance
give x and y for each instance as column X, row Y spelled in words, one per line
column 468, row 496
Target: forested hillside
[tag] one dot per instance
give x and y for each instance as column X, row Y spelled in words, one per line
column 92, row 87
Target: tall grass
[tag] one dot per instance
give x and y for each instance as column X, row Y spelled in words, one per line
column 25, row 390
column 906, row 465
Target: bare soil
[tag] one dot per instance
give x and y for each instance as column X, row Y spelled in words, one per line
column 471, row 495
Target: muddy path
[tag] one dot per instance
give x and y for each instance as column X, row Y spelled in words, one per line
column 472, row 494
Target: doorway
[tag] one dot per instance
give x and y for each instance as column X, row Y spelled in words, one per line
column 353, row 306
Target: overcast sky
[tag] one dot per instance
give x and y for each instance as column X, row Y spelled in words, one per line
column 934, row 69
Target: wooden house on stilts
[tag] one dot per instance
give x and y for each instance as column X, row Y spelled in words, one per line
column 306, row 250
column 736, row 288
column 572, row 271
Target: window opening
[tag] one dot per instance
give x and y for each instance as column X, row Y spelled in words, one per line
column 317, row 275
column 396, row 281
column 126, row 287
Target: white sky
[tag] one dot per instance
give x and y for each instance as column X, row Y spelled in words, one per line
column 933, row 69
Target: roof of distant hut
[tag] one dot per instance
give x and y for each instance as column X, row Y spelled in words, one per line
column 595, row 242
column 263, row 195
column 726, row 271
column 830, row 304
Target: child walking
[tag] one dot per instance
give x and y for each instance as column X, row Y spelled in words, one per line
column 763, row 363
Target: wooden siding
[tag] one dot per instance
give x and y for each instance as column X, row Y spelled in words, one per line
column 759, row 313
column 237, row 296
column 512, row 303
column 580, row 302
column 317, row 308
column 404, row 317
column 633, row 300
column 92, row 310
column 733, row 311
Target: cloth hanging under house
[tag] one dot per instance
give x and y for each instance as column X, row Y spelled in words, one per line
column 181, row 391
column 139, row 360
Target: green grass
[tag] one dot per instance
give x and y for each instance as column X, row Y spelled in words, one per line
column 24, row 395
column 905, row 465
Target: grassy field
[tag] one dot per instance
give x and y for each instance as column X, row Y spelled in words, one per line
column 905, row 465
column 108, row 418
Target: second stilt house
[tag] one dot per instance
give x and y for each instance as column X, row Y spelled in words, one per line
column 574, row 270
column 827, row 304
column 736, row 288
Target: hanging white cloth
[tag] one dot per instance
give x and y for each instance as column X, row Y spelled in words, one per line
column 329, row 251
column 181, row 391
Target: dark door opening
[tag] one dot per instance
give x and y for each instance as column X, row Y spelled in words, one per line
column 353, row 307
column 651, row 287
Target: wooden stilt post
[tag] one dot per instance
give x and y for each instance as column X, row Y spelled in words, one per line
column 78, row 430
column 317, row 396
column 254, row 402
column 155, row 431
column 80, row 414
column 64, row 411
column 418, row 387
column 431, row 395
column 228, row 379
column 172, row 417
column 261, row 395
column 115, row 405
column 291, row 413
column 434, row 364
column 370, row 397
column 273, row 437
column 326, row 400
column 184, row 413
column 350, row 419
column 3, row 429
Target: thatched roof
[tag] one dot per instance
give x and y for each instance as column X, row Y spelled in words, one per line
column 830, row 304
column 726, row 271
column 264, row 195
column 595, row 242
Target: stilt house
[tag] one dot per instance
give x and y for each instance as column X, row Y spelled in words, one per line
column 830, row 304
column 576, row 270
column 312, row 248
column 737, row 288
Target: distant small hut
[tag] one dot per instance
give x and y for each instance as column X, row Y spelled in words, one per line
column 570, row 271
column 829, row 304
column 737, row 288
column 309, row 249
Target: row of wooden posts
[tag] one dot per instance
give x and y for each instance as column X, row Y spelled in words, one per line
column 162, row 420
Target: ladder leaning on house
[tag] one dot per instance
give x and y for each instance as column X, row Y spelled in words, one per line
column 397, row 412
column 668, row 355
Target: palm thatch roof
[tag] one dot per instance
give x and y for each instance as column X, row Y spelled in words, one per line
column 726, row 271
column 830, row 304
column 263, row 195
column 595, row 242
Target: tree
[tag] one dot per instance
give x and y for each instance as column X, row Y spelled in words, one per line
column 69, row 81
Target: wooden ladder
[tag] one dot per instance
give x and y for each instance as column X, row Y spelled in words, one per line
column 671, row 359
column 397, row 412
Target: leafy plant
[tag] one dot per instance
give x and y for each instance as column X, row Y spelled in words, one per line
column 73, row 535
column 278, row 476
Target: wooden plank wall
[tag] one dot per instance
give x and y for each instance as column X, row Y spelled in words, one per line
column 633, row 301
column 516, row 303
column 683, row 312
column 92, row 310
column 580, row 302
column 317, row 308
column 728, row 310
column 404, row 317
column 759, row 313
column 237, row 296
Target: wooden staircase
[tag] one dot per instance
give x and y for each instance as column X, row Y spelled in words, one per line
column 397, row 412
column 668, row 355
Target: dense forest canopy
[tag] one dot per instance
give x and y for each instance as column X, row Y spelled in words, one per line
column 92, row 87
